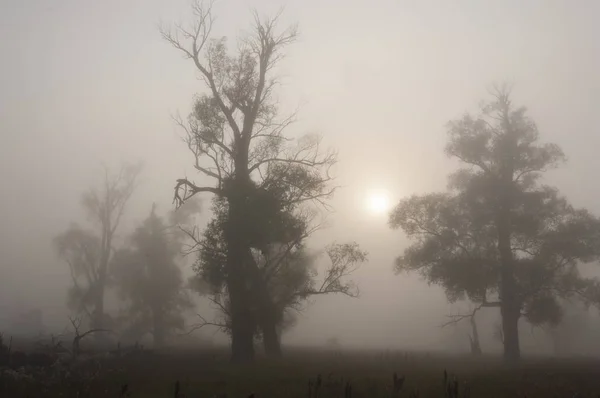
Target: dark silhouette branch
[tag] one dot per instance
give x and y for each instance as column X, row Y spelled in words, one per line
column 454, row 319
column 190, row 189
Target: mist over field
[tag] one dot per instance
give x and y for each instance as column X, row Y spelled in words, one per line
column 93, row 84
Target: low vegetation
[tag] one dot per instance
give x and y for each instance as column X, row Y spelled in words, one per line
column 138, row 372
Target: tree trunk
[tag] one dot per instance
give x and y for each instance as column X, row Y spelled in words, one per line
column 99, row 322
column 267, row 312
column 510, row 330
column 243, row 325
column 271, row 341
column 158, row 327
column 510, row 305
column 474, row 339
column 242, row 329
column 510, row 308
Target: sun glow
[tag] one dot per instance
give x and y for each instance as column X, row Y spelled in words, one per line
column 378, row 202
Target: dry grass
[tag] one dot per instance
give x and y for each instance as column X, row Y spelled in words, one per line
column 310, row 373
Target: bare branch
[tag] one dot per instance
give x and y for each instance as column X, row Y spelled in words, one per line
column 454, row 319
column 203, row 322
column 190, row 189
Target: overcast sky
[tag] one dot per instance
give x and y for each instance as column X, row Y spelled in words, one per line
column 89, row 81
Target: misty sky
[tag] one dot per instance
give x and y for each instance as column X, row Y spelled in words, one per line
column 84, row 82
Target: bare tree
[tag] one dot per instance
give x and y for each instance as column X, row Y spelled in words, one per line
column 237, row 141
column 474, row 342
column 88, row 251
column 76, row 345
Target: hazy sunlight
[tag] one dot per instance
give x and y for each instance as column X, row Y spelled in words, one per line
column 378, row 202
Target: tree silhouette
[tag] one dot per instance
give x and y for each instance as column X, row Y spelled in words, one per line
column 236, row 139
column 499, row 237
column 88, row 251
column 150, row 280
column 284, row 273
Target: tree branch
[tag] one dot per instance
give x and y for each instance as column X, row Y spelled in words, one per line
column 454, row 319
column 189, row 190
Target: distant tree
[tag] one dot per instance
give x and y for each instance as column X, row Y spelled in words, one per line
column 499, row 237
column 333, row 343
column 79, row 336
column 577, row 332
column 236, row 138
column 149, row 279
column 28, row 323
column 88, row 251
column 474, row 342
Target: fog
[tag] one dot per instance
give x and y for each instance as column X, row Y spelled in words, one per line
column 90, row 82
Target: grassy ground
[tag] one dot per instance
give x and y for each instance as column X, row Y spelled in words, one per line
column 207, row 373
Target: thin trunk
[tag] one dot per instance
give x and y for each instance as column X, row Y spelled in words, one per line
column 158, row 327
column 271, row 341
column 98, row 321
column 474, row 338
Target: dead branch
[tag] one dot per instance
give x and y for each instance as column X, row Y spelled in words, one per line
column 454, row 319
column 203, row 322
column 76, row 323
column 189, row 189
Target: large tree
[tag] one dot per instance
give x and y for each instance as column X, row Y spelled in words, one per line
column 500, row 237
column 284, row 276
column 88, row 251
column 149, row 279
column 236, row 138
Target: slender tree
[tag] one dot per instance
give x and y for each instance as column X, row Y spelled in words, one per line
column 500, row 237
column 88, row 251
column 236, row 138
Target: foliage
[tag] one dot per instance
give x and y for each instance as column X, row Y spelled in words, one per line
column 285, row 265
column 150, row 280
column 456, row 234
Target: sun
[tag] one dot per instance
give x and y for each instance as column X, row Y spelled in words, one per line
column 378, row 202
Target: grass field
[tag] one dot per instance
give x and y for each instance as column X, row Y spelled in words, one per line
column 207, row 373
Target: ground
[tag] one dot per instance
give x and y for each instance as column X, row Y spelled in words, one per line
column 207, row 373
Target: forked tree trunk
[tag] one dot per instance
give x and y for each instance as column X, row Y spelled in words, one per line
column 267, row 314
column 242, row 331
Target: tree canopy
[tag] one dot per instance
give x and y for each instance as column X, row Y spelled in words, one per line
column 238, row 142
column 499, row 236
column 149, row 279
